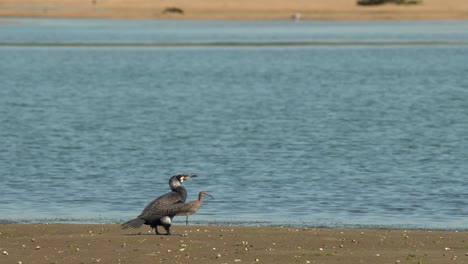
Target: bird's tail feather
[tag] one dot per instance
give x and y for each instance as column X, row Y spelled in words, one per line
column 134, row 223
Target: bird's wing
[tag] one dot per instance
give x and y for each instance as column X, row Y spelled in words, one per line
column 181, row 208
column 161, row 205
column 174, row 209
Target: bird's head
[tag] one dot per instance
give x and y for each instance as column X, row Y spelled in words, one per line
column 184, row 177
column 203, row 194
column 177, row 180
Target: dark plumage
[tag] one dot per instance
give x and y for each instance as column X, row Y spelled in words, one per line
column 160, row 211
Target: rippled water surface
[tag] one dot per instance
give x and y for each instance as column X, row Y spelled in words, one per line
column 334, row 135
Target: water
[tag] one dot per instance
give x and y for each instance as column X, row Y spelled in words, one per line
column 314, row 135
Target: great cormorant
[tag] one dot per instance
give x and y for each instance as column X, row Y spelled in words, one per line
column 160, row 211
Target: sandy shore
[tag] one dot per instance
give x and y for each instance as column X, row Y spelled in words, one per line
column 233, row 9
column 73, row 243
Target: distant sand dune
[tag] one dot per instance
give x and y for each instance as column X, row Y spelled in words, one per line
column 233, row 9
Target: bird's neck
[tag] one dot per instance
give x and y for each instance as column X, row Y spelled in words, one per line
column 174, row 183
column 181, row 190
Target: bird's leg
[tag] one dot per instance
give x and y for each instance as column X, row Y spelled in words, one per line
column 166, row 222
column 186, row 220
column 168, row 231
column 156, row 229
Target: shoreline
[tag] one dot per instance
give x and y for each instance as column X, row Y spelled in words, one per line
column 407, row 227
column 233, row 10
column 108, row 243
column 245, row 224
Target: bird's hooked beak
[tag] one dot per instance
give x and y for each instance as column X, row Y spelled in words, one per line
column 186, row 177
column 209, row 195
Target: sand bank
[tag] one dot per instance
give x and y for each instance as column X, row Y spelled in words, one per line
column 73, row 243
column 232, row 9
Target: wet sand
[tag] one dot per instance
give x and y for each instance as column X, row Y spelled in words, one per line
column 79, row 243
column 233, row 9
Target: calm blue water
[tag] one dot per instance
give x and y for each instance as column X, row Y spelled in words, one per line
column 339, row 135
